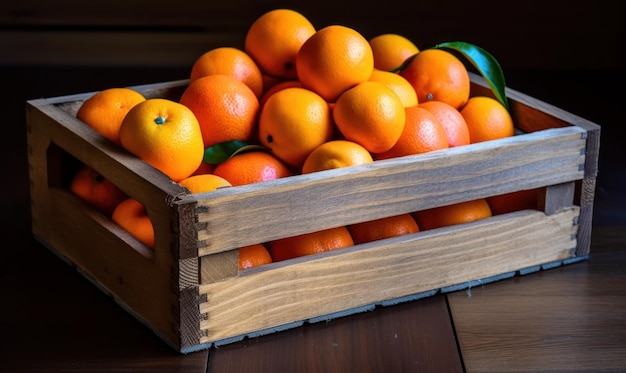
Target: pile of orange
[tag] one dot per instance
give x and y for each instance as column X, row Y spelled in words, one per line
column 310, row 99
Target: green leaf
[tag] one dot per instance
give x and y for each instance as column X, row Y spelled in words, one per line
column 485, row 63
column 218, row 153
column 406, row 63
column 249, row 148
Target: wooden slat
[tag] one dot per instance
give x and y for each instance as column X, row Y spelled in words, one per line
column 557, row 197
column 364, row 274
column 241, row 216
column 219, row 266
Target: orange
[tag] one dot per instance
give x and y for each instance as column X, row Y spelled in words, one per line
column 251, row 167
column 333, row 60
column 166, row 135
column 391, row 50
column 438, row 75
column 422, row 133
column 515, row 201
column 226, row 108
column 452, row 121
column 105, row 110
column 463, row 212
column 379, row 229
column 229, row 61
column 398, row 84
column 204, row 183
column 293, row 122
column 92, row 187
column 371, row 115
column 132, row 216
column 253, row 256
column 487, row 119
column 277, row 87
column 274, row 39
column 310, row 243
column 336, row 154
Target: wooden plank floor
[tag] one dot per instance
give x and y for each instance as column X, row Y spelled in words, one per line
column 413, row 336
column 569, row 319
column 564, row 319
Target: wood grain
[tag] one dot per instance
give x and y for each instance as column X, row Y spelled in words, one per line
column 365, row 274
column 557, row 197
column 250, row 214
column 219, row 266
column 408, row 337
column 562, row 320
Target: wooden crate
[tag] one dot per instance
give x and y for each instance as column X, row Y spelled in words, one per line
column 189, row 290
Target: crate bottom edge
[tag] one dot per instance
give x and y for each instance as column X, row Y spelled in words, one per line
column 386, row 303
column 321, row 318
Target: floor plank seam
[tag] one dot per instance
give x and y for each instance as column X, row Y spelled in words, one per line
column 456, row 337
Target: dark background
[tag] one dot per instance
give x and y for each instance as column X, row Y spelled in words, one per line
column 567, row 53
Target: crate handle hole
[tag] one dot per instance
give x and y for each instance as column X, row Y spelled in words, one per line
column 62, row 168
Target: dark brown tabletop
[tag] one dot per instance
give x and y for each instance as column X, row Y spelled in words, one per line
column 565, row 319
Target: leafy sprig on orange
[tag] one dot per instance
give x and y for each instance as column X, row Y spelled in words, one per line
column 484, row 62
column 218, row 153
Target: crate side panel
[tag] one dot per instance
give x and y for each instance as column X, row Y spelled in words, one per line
column 144, row 281
column 330, row 282
column 252, row 214
column 38, row 141
column 49, row 126
column 81, row 236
